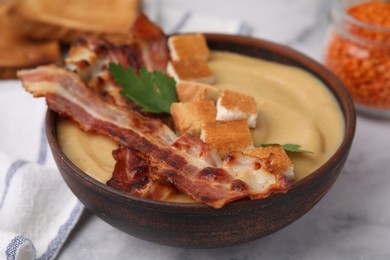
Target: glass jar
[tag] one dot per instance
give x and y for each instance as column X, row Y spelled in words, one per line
column 358, row 52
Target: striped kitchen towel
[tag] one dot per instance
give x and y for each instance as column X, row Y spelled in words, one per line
column 37, row 210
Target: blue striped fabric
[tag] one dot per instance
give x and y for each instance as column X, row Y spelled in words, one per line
column 16, row 165
column 14, row 246
column 63, row 232
column 12, row 170
column 20, row 241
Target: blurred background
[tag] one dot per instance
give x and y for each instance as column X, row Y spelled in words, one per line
column 301, row 24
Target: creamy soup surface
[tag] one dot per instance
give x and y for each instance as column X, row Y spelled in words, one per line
column 293, row 107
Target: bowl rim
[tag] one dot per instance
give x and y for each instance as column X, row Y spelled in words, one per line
column 318, row 70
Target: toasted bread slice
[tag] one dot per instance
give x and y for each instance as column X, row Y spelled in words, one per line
column 192, row 91
column 17, row 52
column 190, row 116
column 57, row 20
column 191, row 70
column 232, row 105
column 227, row 136
column 188, row 46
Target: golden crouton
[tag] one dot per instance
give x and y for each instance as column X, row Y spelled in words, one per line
column 232, row 105
column 191, row 70
column 190, row 46
column 226, row 136
column 190, row 116
column 192, row 91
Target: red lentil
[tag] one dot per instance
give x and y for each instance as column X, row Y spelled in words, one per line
column 359, row 53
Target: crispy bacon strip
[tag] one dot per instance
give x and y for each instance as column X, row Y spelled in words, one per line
column 68, row 95
column 197, row 149
column 144, row 46
column 89, row 57
column 192, row 172
column 132, row 174
column 153, row 43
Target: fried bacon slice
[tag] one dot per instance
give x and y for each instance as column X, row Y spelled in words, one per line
column 198, row 149
column 144, row 46
column 89, row 57
column 191, row 170
column 152, row 41
column 69, row 96
column 132, row 174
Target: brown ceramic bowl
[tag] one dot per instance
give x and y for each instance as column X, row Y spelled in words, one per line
column 197, row 225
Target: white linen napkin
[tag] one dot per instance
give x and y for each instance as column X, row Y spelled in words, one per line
column 37, row 209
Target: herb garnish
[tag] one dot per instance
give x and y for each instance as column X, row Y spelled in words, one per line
column 294, row 148
column 153, row 91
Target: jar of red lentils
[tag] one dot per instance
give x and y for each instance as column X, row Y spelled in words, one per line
column 358, row 52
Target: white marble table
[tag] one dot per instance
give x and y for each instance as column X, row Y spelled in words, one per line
column 351, row 222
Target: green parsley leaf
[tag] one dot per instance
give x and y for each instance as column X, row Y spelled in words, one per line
column 294, row 148
column 153, row 91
